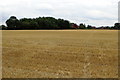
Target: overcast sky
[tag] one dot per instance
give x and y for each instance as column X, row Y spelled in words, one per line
column 93, row 12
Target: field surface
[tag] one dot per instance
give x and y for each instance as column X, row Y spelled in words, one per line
column 60, row 54
column 0, row 54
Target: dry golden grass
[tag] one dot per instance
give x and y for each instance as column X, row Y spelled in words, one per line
column 60, row 54
column 0, row 54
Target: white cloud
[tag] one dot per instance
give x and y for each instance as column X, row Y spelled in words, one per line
column 94, row 12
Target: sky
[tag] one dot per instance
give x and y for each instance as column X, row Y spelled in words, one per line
column 93, row 12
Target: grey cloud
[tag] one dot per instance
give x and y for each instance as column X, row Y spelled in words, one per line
column 95, row 12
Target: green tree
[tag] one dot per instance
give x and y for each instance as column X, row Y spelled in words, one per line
column 82, row 26
column 117, row 26
column 3, row 27
column 12, row 22
column 89, row 27
column 37, row 23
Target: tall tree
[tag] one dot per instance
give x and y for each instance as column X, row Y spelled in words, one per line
column 12, row 22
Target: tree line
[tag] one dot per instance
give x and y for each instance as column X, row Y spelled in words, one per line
column 47, row 23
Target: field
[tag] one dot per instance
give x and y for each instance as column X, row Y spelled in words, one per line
column 0, row 54
column 60, row 54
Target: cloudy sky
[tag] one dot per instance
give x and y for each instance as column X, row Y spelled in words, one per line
column 93, row 12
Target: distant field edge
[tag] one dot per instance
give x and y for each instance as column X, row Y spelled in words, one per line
column 60, row 79
column 66, row 30
column 62, row 29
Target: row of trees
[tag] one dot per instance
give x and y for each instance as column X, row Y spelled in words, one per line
column 47, row 23
column 83, row 26
column 37, row 23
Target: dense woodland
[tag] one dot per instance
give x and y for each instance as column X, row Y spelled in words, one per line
column 47, row 23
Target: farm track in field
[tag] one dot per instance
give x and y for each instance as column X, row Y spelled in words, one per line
column 60, row 54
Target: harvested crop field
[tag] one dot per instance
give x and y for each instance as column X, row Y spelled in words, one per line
column 60, row 53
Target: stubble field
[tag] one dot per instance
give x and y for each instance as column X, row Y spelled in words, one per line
column 60, row 54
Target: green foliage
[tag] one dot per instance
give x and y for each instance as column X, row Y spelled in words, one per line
column 117, row 26
column 37, row 23
column 12, row 22
column 82, row 26
column 3, row 27
column 47, row 23
column 89, row 27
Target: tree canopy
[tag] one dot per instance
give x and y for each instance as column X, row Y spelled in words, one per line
column 47, row 23
column 37, row 23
